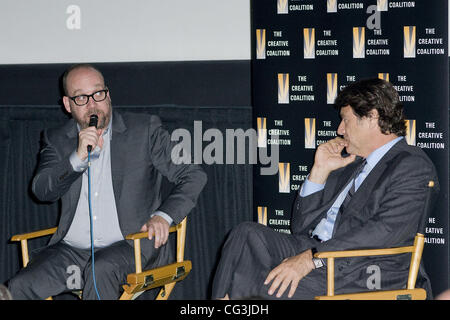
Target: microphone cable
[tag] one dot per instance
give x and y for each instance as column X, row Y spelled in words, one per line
column 92, row 226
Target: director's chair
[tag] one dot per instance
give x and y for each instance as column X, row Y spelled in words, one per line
column 140, row 281
column 411, row 292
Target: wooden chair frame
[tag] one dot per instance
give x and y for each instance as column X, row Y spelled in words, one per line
column 416, row 250
column 140, row 281
column 410, row 293
column 165, row 276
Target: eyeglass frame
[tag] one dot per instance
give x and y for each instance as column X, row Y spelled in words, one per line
column 106, row 90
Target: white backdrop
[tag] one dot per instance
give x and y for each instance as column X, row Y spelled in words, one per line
column 65, row 31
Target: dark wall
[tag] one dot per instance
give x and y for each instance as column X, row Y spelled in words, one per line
column 195, row 83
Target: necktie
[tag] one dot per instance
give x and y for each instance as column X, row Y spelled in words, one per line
column 324, row 230
column 358, row 177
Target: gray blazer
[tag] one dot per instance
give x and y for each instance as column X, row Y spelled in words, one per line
column 140, row 157
column 384, row 212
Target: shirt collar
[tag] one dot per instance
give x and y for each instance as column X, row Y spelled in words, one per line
column 373, row 158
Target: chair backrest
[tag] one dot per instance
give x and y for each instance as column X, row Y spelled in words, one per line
column 416, row 256
column 419, row 240
column 430, row 201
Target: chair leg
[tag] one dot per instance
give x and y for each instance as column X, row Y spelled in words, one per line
column 128, row 292
column 126, row 296
column 165, row 291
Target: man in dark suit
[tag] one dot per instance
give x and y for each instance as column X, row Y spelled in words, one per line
column 130, row 155
column 373, row 198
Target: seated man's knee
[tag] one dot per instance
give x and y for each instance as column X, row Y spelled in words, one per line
column 103, row 268
column 15, row 287
column 247, row 226
column 23, row 286
column 246, row 231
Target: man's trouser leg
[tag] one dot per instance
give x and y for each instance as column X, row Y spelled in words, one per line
column 61, row 268
column 112, row 264
column 54, row 270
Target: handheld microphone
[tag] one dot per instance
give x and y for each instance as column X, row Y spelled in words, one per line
column 93, row 121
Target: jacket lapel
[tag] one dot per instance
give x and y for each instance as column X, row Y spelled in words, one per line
column 363, row 193
column 119, row 134
column 336, row 185
column 68, row 147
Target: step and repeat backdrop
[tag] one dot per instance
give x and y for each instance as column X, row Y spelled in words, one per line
column 305, row 51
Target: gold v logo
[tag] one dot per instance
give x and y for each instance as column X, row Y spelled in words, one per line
column 383, row 76
column 358, row 42
column 331, row 5
column 409, row 41
column 262, row 132
column 308, row 43
column 410, row 132
column 283, row 88
column 282, row 6
column 331, row 87
column 382, row 5
column 262, row 215
column 310, row 133
column 260, row 43
column 284, row 172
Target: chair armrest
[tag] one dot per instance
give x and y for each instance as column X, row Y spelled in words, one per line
column 142, row 235
column 364, row 252
column 24, row 237
column 415, row 250
column 32, row 235
column 180, row 229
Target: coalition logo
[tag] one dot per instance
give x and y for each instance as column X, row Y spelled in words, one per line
column 358, row 42
column 331, row 6
column 283, row 88
column 410, row 132
column 262, row 132
column 282, row 6
column 383, row 76
column 310, row 133
column 409, row 41
column 260, row 43
column 262, row 215
column 284, row 180
column 382, row 5
column 332, row 87
column 308, row 43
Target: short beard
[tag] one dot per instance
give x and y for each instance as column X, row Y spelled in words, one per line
column 103, row 119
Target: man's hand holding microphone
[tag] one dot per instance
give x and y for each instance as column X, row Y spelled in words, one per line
column 89, row 138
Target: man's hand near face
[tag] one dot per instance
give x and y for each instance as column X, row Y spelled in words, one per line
column 327, row 159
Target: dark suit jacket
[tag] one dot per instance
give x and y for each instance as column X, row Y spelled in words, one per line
column 384, row 212
column 140, row 156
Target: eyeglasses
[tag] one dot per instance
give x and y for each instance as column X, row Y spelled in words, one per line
column 83, row 99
